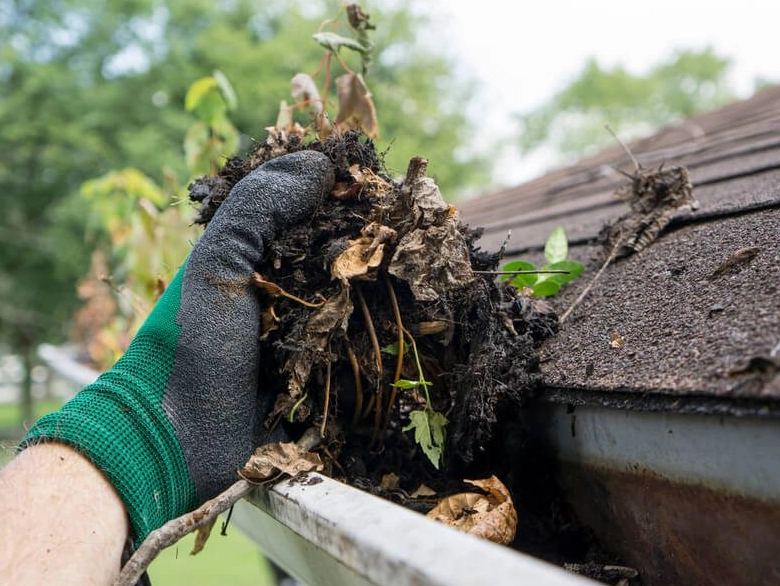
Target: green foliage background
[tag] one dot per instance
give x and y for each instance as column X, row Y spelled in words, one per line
column 87, row 86
column 572, row 122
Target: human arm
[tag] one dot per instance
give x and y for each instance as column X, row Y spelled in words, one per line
column 182, row 410
column 62, row 522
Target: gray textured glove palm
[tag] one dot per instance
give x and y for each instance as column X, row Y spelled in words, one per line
column 181, row 411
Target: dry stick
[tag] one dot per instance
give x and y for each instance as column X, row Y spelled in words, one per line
column 177, row 528
column 399, row 364
column 596, row 277
column 358, row 384
column 637, row 166
column 326, row 406
column 377, row 357
column 535, row 272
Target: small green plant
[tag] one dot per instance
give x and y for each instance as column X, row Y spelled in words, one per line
column 429, row 425
column 542, row 282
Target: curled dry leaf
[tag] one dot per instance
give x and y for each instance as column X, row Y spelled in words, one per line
column 303, row 89
column 270, row 460
column 364, row 253
column 202, row 536
column 356, row 107
column 654, row 196
column 433, row 257
column 490, row 516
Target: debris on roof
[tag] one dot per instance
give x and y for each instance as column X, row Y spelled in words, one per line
column 698, row 309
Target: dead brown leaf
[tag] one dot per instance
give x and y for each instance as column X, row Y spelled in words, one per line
column 270, row 460
column 423, row 491
column 358, row 260
column 389, row 481
column 616, row 340
column 202, row 536
column 490, row 516
column 654, row 196
column 363, row 254
column 356, row 107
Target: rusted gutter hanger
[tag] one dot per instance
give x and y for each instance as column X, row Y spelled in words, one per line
column 739, row 455
column 327, row 533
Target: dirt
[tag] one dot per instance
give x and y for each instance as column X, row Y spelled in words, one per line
column 382, row 256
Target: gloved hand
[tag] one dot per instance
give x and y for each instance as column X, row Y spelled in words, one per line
column 181, row 411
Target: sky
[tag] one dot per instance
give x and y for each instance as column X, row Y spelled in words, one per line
column 521, row 53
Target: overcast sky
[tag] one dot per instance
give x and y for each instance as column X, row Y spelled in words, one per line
column 523, row 52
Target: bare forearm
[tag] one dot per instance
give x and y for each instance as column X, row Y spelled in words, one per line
column 62, row 521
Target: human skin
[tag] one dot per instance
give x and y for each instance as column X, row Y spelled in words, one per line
column 61, row 522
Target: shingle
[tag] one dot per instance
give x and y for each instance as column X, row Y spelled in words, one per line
column 689, row 337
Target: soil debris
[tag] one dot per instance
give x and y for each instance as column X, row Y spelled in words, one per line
column 398, row 330
column 653, row 195
column 385, row 261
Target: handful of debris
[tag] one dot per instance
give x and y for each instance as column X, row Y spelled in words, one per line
column 378, row 327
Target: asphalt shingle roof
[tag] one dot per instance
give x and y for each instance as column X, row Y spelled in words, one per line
column 693, row 338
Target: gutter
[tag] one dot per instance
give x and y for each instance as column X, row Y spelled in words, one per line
column 686, row 498
column 325, row 533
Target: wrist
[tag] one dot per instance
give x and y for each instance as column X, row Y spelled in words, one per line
column 119, row 424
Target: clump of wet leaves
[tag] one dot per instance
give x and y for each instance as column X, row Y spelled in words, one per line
column 383, row 264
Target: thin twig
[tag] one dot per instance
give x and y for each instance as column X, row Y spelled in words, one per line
column 377, row 356
column 535, row 272
column 399, row 363
column 637, row 166
column 596, row 277
column 177, row 528
column 326, row 406
column 275, row 290
column 358, row 384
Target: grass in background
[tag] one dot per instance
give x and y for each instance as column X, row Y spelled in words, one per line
column 11, row 413
column 231, row 559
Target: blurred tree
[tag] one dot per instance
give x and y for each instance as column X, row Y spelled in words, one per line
column 87, row 86
column 572, row 122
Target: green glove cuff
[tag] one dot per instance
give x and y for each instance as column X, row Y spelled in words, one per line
column 118, row 422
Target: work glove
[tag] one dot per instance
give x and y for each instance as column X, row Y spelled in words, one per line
column 176, row 417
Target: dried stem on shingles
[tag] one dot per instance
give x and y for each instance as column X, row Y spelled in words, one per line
column 612, row 254
column 399, row 363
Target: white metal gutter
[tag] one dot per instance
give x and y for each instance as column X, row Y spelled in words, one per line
column 325, row 533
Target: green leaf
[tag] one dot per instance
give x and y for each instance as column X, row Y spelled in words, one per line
column 556, row 248
column 429, row 432
column 334, row 42
column 574, row 270
column 231, row 100
column 391, row 349
column 403, row 383
column 198, row 91
column 546, row 288
column 196, row 145
column 520, row 281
